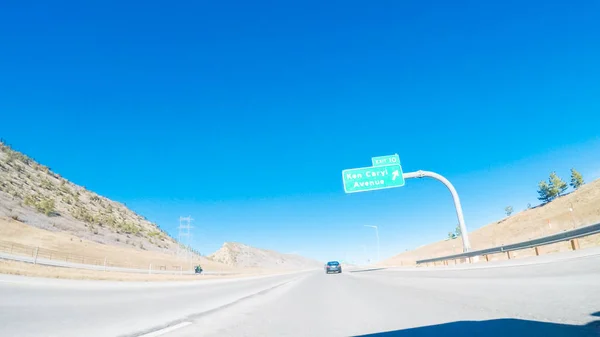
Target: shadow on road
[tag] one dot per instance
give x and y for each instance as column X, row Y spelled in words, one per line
column 497, row 328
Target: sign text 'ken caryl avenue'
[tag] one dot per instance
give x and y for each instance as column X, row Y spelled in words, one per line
column 386, row 172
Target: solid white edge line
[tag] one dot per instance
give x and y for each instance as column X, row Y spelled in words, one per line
column 166, row 330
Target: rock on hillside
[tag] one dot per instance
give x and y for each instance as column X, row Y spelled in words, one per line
column 243, row 256
column 33, row 194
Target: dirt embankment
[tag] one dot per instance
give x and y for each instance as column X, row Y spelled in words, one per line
column 576, row 209
column 44, row 214
column 21, row 239
column 243, row 256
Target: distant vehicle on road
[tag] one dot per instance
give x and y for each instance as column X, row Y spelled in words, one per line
column 333, row 267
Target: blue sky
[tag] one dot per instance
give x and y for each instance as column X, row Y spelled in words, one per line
column 244, row 114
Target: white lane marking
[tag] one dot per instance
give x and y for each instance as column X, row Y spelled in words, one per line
column 166, row 330
column 27, row 282
column 7, row 281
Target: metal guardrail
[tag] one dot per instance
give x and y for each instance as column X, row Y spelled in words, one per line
column 546, row 240
column 75, row 265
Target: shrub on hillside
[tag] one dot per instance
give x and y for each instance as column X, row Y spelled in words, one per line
column 129, row 228
column 64, row 189
column 155, row 234
column 82, row 214
column 45, row 205
column 30, row 200
column 110, row 220
column 46, row 184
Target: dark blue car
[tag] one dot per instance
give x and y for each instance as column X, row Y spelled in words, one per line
column 333, row 267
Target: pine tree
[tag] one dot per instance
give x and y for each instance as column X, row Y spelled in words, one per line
column 545, row 194
column 508, row 210
column 576, row 179
column 557, row 185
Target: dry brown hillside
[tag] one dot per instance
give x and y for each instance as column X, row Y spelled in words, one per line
column 42, row 212
column 34, row 195
column 18, row 238
column 243, row 256
column 532, row 223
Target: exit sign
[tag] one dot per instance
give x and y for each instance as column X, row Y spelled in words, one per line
column 386, row 160
column 372, row 178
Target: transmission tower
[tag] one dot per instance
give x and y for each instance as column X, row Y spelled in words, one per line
column 184, row 237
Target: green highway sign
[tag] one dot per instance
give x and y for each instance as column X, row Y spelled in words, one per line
column 386, row 160
column 372, row 178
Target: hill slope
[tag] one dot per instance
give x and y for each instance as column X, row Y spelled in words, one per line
column 31, row 193
column 543, row 220
column 20, row 239
column 243, row 256
column 39, row 208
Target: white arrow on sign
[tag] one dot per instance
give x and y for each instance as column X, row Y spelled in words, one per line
column 395, row 175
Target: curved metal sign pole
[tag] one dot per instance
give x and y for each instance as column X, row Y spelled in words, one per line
column 461, row 220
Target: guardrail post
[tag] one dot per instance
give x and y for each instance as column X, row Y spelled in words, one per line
column 150, row 269
column 487, row 259
column 508, row 254
column 36, row 255
column 574, row 244
column 537, row 251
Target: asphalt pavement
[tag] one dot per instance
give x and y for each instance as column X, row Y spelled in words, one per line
column 64, row 308
column 551, row 299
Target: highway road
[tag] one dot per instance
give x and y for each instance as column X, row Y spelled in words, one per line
column 560, row 298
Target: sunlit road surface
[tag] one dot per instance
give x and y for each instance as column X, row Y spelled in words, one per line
column 552, row 299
